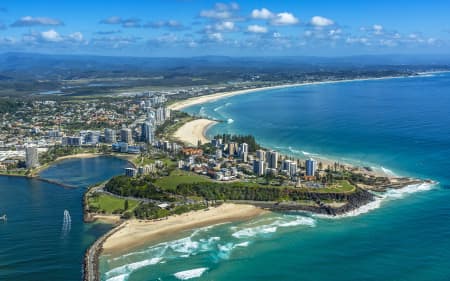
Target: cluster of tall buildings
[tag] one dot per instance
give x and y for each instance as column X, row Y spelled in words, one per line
column 231, row 149
column 153, row 100
column 90, row 137
column 161, row 115
column 265, row 162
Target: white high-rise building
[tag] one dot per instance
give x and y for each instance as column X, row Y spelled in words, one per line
column 167, row 113
column 31, row 157
column 290, row 167
column 162, row 114
column 261, row 154
column 243, row 147
column 232, row 148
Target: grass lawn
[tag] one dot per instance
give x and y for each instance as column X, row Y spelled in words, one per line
column 109, row 204
column 177, row 177
column 341, row 186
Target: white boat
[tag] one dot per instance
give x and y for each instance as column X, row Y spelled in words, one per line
column 3, row 218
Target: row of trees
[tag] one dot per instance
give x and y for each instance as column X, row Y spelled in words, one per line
column 151, row 211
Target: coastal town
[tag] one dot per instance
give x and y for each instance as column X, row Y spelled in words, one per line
column 168, row 146
column 174, row 167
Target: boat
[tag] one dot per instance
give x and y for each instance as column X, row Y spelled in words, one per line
column 3, row 218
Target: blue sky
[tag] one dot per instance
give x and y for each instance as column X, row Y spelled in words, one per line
column 242, row 28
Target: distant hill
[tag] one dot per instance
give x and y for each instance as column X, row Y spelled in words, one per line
column 32, row 62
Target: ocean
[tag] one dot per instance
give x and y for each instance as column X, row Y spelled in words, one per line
column 400, row 126
column 39, row 241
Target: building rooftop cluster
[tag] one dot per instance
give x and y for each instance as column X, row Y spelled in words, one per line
column 126, row 124
column 228, row 161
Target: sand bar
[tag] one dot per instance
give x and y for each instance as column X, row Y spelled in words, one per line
column 193, row 131
column 137, row 233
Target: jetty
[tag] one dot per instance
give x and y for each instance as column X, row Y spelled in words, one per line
column 91, row 270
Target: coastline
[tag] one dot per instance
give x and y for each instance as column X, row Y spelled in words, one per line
column 179, row 105
column 135, row 233
column 194, row 131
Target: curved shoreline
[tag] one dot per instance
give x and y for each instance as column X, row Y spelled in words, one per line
column 134, row 233
column 147, row 232
column 194, row 131
column 179, row 105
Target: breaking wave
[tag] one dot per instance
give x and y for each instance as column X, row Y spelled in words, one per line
column 267, row 229
column 388, row 172
column 189, row 274
column 391, row 194
column 125, row 270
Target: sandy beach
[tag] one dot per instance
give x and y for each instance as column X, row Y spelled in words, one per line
column 191, row 132
column 137, row 233
column 213, row 97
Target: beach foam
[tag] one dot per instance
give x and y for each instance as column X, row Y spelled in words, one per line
column 391, row 194
column 388, row 172
column 189, row 274
column 121, row 277
column 125, row 270
column 267, row 229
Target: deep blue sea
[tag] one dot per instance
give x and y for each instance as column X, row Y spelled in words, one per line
column 399, row 125
column 36, row 243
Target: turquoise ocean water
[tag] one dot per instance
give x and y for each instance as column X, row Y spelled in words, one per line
column 401, row 126
column 36, row 243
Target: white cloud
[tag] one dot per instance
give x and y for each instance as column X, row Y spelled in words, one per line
column 263, row 14
column 128, row 23
column 388, row 43
column 76, row 36
column 51, row 36
column 32, row 21
column 284, row 18
column 234, row 6
column 319, row 21
column 377, row 29
column 215, row 14
column 221, row 11
column 256, row 28
column 358, row 40
column 432, row 41
column 225, row 26
column 334, row 32
column 112, row 20
column 216, row 36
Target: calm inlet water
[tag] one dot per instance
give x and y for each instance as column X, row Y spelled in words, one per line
column 399, row 125
column 38, row 242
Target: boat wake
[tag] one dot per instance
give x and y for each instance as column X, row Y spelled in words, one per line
column 67, row 223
